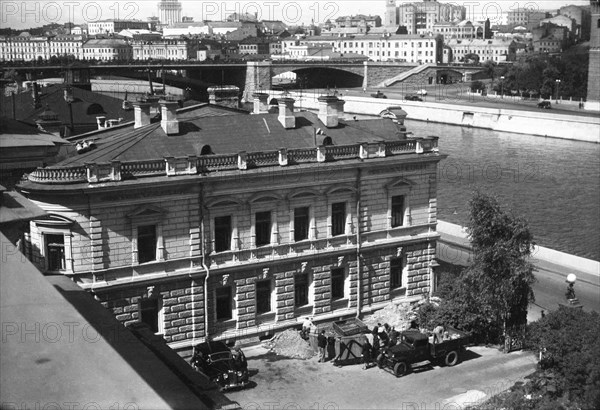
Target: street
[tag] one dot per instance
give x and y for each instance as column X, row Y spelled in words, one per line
column 550, row 287
column 457, row 94
column 306, row 384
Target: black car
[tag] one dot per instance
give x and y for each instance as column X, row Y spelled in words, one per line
column 545, row 104
column 226, row 368
column 378, row 94
column 413, row 98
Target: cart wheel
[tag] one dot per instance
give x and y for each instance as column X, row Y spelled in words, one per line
column 380, row 361
column 400, row 369
column 451, row 358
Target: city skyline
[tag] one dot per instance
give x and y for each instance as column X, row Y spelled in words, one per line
column 21, row 15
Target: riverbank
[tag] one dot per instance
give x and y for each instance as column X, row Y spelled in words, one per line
column 543, row 123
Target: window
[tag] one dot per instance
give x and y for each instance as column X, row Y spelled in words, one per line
column 338, row 218
column 397, row 211
column 150, row 311
column 301, row 223
column 396, row 271
column 263, row 228
column 223, row 298
column 55, row 252
column 301, row 289
column 222, row 233
column 337, row 283
column 263, row 296
column 146, row 243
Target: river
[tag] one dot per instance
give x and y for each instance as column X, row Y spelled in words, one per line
column 553, row 183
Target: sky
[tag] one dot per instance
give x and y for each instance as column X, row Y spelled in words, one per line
column 19, row 14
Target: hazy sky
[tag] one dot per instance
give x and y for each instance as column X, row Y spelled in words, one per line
column 23, row 14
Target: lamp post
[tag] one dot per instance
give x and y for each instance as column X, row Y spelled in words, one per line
column 557, row 87
column 501, row 86
column 572, row 301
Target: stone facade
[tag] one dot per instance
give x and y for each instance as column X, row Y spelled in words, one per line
column 593, row 87
column 197, row 285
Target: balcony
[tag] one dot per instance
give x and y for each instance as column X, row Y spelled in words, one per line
column 192, row 165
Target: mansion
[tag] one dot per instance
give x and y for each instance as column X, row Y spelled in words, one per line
column 210, row 222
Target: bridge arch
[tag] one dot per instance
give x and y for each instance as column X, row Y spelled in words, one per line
column 322, row 76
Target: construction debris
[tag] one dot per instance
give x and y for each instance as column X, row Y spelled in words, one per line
column 289, row 344
column 398, row 315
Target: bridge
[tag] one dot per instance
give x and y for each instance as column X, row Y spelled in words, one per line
column 258, row 75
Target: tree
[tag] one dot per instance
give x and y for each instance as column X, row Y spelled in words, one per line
column 489, row 68
column 568, row 376
column 501, row 275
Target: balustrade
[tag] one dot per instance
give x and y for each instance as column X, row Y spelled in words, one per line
column 116, row 171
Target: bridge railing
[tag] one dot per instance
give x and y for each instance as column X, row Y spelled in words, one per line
column 192, row 165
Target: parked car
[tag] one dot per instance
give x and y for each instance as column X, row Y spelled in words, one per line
column 422, row 92
column 378, row 94
column 225, row 368
column 545, row 104
column 413, row 98
column 416, row 347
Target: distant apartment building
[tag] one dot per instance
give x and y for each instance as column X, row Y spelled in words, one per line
column 115, row 26
column 25, row 47
column 582, row 18
column 169, row 11
column 459, row 30
column 390, row 47
column 359, row 20
column 107, row 49
column 562, row 21
column 495, row 50
column 165, row 49
column 260, row 45
column 420, row 17
column 526, row 17
column 550, row 38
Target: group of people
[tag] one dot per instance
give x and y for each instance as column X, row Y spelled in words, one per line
column 381, row 337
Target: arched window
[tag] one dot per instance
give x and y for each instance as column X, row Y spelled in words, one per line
column 95, row 109
column 206, row 150
column 327, row 141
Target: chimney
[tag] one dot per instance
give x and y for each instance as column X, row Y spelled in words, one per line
column 35, row 95
column 286, row 112
column 68, row 94
column 330, row 108
column 261, row 103
column 168, row 117
column 141, row 113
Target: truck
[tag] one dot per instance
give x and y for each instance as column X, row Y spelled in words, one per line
column 415, row 347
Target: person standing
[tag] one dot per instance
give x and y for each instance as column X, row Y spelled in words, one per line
column 322, row 344
column 366, row 354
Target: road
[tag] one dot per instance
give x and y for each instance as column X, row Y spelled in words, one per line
column 550, row 287
column 283, row 383
column 457, row 94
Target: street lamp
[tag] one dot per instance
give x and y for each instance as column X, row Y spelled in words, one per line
column 572, row 301
column 557, row 87
column 501, row 86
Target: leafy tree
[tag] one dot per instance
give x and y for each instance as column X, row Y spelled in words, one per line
column 477, row 86
column 501, row 274
column 489, row 68
column 568, row 376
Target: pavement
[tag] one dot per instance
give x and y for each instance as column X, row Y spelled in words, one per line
column 280, row 382
column 457, row 94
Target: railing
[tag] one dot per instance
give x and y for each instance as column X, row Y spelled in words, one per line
column 263, row 159
column 143, row 168
column 59, row 175
column 400, row 147
column 218, row 162
column 303, row 155
column 342, row 152
column 116, row 170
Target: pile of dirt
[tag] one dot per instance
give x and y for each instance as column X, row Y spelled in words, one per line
column 289, row 344
column 398, row 315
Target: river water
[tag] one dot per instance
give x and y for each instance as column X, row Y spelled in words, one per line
column 553, row 183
